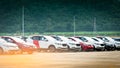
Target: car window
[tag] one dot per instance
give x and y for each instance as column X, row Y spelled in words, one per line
column 42, row 38
column 83, row 39
column 36, row 38
column 8, row 39
column 105, row 39
column 95, row 39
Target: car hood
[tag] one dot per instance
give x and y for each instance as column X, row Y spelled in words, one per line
column 109, row 43
column 10, row 44
column 87, row 43
column 116, row 42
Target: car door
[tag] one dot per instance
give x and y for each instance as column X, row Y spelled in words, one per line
column 43, row 42
column 36, row 41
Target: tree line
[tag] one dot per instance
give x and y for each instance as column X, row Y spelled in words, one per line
column 58, row 15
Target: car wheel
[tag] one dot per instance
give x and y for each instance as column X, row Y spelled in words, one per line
column 11, row 53
column 103, row 49
column 115, row 47
column 83, row 49
column 20, row 52
column 1, row 51
column 69, row 48
column 52, row 49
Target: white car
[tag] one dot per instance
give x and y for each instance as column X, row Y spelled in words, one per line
column 6, row 47
column 72, row 45
column 97, row 45
column 115, row 43
column 110, row 43
column 47, row 43
column 99, row 40
column 23, row 46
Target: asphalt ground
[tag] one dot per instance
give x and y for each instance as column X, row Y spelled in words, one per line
column 105, row 59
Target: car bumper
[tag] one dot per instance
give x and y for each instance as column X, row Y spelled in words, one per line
column 75, row 48
column 110, row 47
column 118, row 47
column 88, row 48
column 99, row 47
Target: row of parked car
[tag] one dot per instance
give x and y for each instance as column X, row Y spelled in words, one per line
column 12, row 45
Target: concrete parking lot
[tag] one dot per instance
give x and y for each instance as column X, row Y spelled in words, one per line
column 109, row 59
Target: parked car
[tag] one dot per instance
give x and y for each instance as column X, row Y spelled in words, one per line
column 6, row 47
column 117, row 39
column 47, row 43
column 117, row 43
column 23, row 46
column 110, row 44
column 72, row 45
column 84, row 45
column 97, row 45
column 114, row 42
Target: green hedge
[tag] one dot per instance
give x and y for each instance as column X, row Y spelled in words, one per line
column 105, row 33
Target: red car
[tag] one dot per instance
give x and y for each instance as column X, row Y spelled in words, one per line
column 85, row 46
column 24, row 47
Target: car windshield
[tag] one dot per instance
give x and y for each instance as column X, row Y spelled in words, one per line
column 3, row 41
column 116, row 39
column 57, row 38
column 95, row 39
column 64, row 38
column 50, row 38
column 105, row 39
column 83, row 39
column 109, row 38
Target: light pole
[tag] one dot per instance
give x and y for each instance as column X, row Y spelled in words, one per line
column 74, row 25
column 23, row 21
column 94, row 26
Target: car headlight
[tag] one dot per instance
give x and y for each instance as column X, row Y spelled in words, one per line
column 117, row 43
